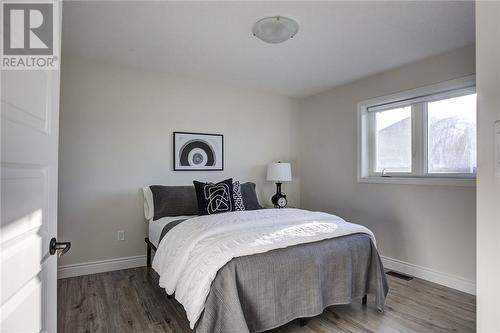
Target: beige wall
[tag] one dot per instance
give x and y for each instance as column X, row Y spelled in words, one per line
column 488, row 186
column 116, row 136
column 424, row 225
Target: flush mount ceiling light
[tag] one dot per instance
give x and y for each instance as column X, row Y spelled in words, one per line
column 275, row 29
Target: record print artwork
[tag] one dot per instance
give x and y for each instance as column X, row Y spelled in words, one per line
column 198, row 151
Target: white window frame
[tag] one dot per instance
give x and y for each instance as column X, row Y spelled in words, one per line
column 418, row 99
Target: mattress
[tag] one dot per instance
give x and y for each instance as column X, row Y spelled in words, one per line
column 156, row 227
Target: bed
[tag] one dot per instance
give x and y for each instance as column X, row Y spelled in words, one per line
column 251, row 271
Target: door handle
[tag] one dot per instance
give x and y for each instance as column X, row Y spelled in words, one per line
column 62, row 247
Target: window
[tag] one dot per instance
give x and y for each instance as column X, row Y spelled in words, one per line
column 451, row 135
column 393, row 140
column 426, row 135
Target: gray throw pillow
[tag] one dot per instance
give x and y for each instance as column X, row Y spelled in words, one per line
column 173, row 201
column 249, row 196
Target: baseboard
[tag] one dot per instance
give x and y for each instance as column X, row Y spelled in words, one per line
column 100, row 266
column 444, row 279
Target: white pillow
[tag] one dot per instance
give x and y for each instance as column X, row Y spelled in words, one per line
column 149, row 208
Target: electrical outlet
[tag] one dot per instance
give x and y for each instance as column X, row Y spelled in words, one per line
column 121, row 235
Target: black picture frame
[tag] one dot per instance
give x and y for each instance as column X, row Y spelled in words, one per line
column 176, row 162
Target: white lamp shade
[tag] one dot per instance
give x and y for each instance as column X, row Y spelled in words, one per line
column 279, row 172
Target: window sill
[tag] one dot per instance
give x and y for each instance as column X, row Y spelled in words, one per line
column 463, row 182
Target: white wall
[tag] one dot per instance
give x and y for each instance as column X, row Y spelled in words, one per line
column 488, row 186
column 432, row 227
column 116, row 136
column 116, row 129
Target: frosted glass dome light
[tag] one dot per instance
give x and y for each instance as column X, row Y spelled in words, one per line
column 275, row 29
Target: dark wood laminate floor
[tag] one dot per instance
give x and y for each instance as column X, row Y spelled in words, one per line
column 131, row 301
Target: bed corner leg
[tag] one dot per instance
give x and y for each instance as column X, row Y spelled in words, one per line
column 364, row 300
column 148, row 253
column 303, row 321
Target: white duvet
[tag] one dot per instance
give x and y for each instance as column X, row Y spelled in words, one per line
column 190, row 255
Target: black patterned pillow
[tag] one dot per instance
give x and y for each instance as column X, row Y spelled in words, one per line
column 214, row 198
column 237, row 197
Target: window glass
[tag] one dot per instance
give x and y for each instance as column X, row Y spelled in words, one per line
column 393, row 140
column 451, row 135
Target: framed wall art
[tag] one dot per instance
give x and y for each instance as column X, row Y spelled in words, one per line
column 198, row 151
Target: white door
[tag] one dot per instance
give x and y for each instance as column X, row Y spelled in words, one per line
column 29, row 148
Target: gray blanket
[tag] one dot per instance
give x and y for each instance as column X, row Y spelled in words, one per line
column 259, row 292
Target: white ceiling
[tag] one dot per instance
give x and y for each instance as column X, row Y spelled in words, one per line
column 337, row 42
